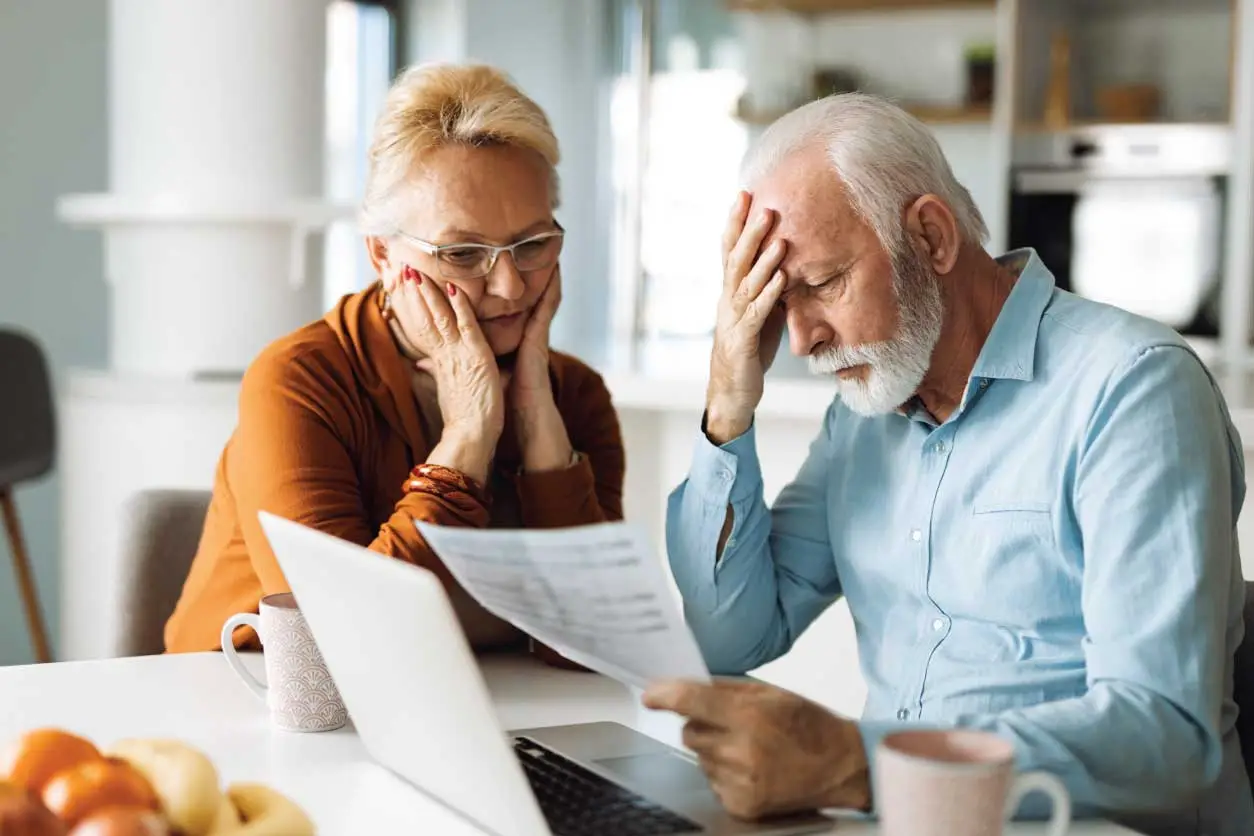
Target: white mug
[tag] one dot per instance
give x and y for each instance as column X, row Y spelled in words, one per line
column 959, row 781
column 298, row 690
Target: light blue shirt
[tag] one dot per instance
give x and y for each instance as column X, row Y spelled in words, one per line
column 1057, row 562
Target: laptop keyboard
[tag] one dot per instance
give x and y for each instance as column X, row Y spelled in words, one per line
column 578, row 802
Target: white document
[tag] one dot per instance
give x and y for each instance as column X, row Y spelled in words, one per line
column 596, row 594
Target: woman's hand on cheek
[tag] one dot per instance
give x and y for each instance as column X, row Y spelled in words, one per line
column 541, row 431
column 441, row 324
column 531, row 389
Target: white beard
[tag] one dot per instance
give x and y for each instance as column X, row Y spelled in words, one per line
column 897, row 366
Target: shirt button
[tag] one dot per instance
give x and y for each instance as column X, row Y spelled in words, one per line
column 725, row 475
column 938, row 624
column 984, row 384
column 902, row 714
column 916, row 535
column 940, row 447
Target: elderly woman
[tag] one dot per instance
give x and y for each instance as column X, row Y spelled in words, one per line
column 432, row 394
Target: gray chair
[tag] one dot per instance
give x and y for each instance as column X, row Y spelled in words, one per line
column 27, row 451
column 160, row 534
column 1243, row 685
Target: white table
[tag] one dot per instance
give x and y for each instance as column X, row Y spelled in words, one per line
column 197, row 699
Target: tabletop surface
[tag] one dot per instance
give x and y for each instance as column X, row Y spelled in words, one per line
column 196, row 698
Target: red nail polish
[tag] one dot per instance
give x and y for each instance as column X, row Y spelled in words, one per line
column 452, row 289
column 417, row 277
column 410, row 273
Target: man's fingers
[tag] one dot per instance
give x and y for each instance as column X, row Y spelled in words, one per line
column 703, row 738
column 739, row 795
column 735, row 224
column 759, row 309
column 763, row 271
column 745, row 252
column 706, row 704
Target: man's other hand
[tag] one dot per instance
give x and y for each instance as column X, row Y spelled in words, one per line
column 767, row 751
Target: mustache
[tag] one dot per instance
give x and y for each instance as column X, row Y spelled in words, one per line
column 838, row 358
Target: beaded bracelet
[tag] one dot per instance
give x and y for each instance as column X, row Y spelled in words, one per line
column 438, row 479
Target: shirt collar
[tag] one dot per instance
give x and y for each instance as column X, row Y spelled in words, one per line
column 1009, row 353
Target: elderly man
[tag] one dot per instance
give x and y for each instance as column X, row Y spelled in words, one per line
column 1029, row 500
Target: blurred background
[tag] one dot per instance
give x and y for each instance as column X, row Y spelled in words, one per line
column 178, row 180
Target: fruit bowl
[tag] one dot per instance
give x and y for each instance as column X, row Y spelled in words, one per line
column 56, row 783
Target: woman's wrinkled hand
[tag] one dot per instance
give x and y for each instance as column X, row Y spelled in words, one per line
column 542, row 431
column 441, row 326
column 531, row 388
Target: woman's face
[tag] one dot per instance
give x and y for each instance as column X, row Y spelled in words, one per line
column 496, row 195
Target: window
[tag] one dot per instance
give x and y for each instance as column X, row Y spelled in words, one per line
column 361, row 62
column 683, row 69
column 675, row 154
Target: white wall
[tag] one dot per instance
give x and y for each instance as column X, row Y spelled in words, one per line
column 53, row 132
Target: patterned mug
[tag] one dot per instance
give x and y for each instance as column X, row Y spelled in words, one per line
column 300, row 692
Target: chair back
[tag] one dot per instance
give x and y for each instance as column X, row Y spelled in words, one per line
column 1243, row 685
column 27, row 419
column 161, row 533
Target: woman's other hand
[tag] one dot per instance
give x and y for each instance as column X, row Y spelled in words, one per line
column 442, row 326
column 541, row 431
column 530, row 389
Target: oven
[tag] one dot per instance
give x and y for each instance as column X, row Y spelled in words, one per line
column 1131, row 215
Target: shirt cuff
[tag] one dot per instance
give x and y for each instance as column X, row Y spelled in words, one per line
column 727, row 473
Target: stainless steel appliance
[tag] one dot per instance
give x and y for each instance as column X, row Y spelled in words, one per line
column 1128, row 214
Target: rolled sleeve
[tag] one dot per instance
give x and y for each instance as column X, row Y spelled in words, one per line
column 776, row 571
column 720, row 475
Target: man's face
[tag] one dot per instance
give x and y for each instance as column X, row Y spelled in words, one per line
column 867, row 316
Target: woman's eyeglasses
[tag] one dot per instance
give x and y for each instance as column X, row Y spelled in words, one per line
column 474, row 261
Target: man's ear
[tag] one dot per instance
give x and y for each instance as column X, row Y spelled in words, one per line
column 933, row 229
column 377, row 251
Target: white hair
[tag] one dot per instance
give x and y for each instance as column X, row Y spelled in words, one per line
column 884, row 157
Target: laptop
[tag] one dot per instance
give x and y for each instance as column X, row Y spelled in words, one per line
column 423, row 711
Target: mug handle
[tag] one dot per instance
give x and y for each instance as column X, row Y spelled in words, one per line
column 244, row 619
column 1029, row 782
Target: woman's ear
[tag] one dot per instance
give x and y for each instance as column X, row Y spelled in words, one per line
column 377, row 250
column 933, row 227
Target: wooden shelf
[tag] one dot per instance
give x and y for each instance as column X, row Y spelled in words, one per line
column 829, row 6
column 940, row 115
column 932, row 114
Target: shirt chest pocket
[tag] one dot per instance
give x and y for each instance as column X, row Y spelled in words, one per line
column 1018, row 575
column 1014, row 519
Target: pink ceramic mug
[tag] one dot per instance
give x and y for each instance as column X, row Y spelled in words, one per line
column 298, row 690
column 956, row 783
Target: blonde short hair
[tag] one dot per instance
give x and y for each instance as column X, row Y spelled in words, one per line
column 432, row 106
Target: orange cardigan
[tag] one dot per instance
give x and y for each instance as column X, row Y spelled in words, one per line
column 328, row 431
